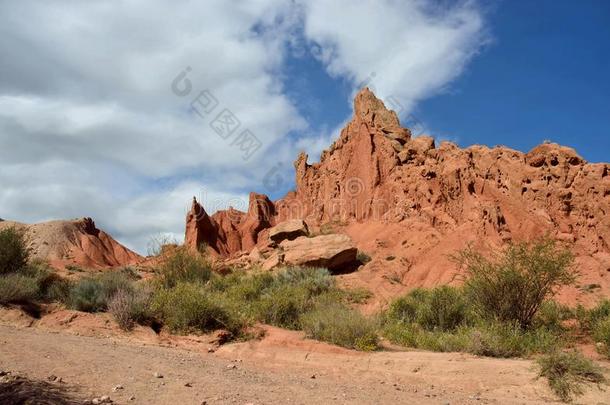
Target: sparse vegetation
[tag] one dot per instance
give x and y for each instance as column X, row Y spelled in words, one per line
column 184, row 266
column 92, row 294
column 131, row 306
column 14, row 253
column 17, row 288
column 337, row 324
column 568, row 372
column 188, row 307
column 362, row 257
column 513, row 285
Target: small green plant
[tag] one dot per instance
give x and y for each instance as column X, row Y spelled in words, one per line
column 92, row 294
column 188, row 307
column 358, row 295
column 442, row 308
column 342, row 326
column 283, row 305
column 551, row 315
column 498, row 339
column 512, row 285
column 74, row 269
column 568, row 372
column 362, row 257
column 17, row 288
column 184, row 266
column 601, row 335
column 14, row 253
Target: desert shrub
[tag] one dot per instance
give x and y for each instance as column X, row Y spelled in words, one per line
column 57, row 289
column 120, row 306
column 589, row 318
column 92, row 294
column 513, row 284
column 293, row 292
column 246, row 288
column 414, row 335
column 357, row 295
column 88, row 295
column 184, row 266
column 282, row 306
column 17, row 288
column 363, row 257
column 485, row 339
column 342, row 326
column 14, row 253
column 189, row 307
column 551, row 315
column 442, row 308
column 601, row 335
column 314, row 279
column 567, row 372
column 499, row 339
column 131, row 306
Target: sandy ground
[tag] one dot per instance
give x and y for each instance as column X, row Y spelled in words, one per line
column 281, row 368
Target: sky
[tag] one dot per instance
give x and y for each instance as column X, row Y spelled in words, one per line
column 124, row 110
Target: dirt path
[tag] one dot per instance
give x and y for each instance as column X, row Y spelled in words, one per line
column 282, row 368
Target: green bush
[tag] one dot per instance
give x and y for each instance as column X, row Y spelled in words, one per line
column 17, row 288
column 601, row 335
column 188, row 307
column 591, row 317
column 92, row 294
column 283, row 306
column 357, row 295
column 314, row 279
column 184, row 266
column 551, row 315
column 341, row 326
column 512, row 285
column 510, row 340
column 442, row 308
column 131, row 306
column 414, row 335
column 14, row 253
column 567, row 372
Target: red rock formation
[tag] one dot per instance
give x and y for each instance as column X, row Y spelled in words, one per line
column 77, row 242
column 424, row 201
column 229, row 231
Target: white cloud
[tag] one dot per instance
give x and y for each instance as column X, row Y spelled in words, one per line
column 89, row 125
column 406, row 49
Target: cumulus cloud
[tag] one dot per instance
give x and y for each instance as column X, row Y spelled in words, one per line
column 90, row 125
column 406, row 49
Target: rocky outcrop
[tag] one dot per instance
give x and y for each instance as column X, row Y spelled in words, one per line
column 78, row 242
column 230, row 231
column 333, row 252
column 288, row 230
column 425, row 201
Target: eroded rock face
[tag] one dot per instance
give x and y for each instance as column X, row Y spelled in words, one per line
column 77, row 242
column 430, row 200
column 231, row 231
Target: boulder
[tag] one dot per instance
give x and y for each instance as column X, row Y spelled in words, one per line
column 330, row 251
column 288, row 230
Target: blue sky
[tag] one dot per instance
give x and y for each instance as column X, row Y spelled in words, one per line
column 91, row 123
column 544, row 75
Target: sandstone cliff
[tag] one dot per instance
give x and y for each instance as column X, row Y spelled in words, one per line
column 410, row 203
